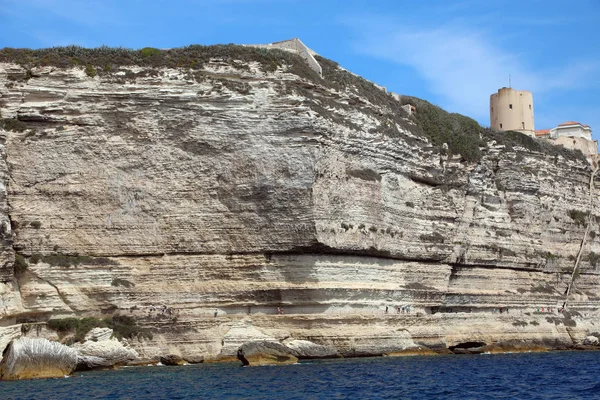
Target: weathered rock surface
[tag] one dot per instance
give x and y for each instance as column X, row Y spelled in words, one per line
column 266, row 353
column 100, row 350
column 171, row 359
column 36, row 358
column 304, row 349
column 591, row 341
column 233, row 192
column 194, row 359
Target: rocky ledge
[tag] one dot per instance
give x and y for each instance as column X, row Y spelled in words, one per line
column 222, row 195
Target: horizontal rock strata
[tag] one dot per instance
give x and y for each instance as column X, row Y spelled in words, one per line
column 239, row 205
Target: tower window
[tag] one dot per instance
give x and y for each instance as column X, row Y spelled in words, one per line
column 510, row 106
column 530, row 106
column 523, row 123
column 500, row 126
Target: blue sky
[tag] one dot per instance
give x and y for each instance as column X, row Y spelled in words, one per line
column 452, row 53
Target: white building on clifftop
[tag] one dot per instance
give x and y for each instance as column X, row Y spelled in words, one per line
column 572, row 135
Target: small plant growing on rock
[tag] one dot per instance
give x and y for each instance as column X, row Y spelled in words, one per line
column 36, row 224
column 90, row 71
column 122, row 325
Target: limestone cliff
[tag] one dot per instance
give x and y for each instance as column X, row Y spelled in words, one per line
column 230, row 189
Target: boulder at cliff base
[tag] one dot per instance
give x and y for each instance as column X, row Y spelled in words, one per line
column 266, row 353
column 36, row 358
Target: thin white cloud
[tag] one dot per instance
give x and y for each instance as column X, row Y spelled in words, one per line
column 463, row 66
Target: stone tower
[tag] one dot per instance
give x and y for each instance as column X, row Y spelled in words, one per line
column 512, row 110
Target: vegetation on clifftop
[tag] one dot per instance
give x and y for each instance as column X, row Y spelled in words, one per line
column 105, row 59
column 465, row 136
column 461, row 134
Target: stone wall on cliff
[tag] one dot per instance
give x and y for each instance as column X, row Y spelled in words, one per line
column 230, row 192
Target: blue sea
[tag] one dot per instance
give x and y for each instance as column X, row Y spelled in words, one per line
column 560, row 375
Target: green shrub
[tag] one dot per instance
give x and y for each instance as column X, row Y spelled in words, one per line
column 149, row 52
column 63, row 325
column 460, row 133
column 123, row 327
column 35, row 258
column 81, row 326
column 90, row 71
column 36, row 224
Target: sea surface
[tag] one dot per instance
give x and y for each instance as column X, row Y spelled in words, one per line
column 560, row 375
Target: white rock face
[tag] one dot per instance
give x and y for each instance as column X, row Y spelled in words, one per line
column 591, row 341
column 306, row 349
column 100, row 350
column 36, row 358
column 230, row 193
column 99, row 335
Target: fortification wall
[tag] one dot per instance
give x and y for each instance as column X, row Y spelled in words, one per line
column 587, row 147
